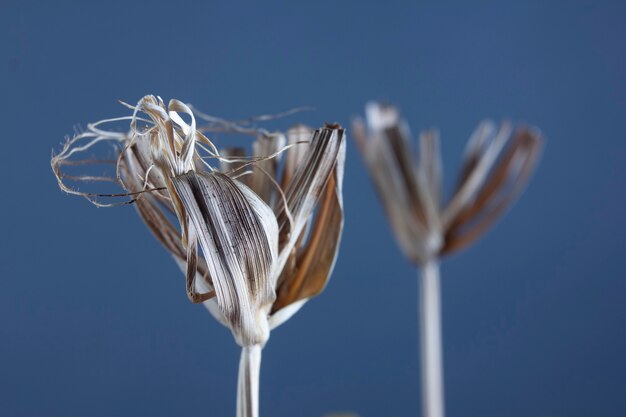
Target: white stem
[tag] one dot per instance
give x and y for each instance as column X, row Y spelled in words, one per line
column 248, row 384
column 430, row 338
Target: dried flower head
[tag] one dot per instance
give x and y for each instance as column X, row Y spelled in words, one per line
column 497, row 164
column 268, row 225
column 268, row 229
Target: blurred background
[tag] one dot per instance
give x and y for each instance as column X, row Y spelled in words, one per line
column 94, row 320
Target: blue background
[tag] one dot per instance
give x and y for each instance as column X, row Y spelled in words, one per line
column 94, row 320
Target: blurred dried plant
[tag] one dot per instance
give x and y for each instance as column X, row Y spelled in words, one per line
column 268, row 224
column 497, row 164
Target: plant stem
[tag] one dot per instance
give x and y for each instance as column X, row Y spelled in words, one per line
column 248, row 384
column 430, row 338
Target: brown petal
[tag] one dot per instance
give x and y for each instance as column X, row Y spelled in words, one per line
column 483, row 150
column 315, row 262
column 305, row 188
column 506, row 181
column 476, row 145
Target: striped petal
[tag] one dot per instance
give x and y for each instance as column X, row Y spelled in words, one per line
column 238, row 236
column 315, row 261
column 305, row 187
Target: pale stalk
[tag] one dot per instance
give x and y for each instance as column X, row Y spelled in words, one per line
column 430, row 339
column 248, row 384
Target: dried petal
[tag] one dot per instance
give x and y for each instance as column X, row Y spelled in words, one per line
column 316, row 259
column 489, row 148
column 264, row 170
column 229, row 154
column 495, row 171
column 386, row 152
column 305, row 188
column 297, row 137
column 429, row 173
column 506, row 181
column 238, row 236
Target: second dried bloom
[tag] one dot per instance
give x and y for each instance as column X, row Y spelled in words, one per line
column 497, row 163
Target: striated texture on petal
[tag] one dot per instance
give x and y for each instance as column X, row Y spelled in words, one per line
column 299, row 137
column 264, row 170
column 305, row 187
column 134, row 166
column 316, row 259
column 238, row 236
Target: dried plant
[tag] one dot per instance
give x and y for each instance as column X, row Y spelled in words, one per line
column 497, row 164
column 268, row 225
